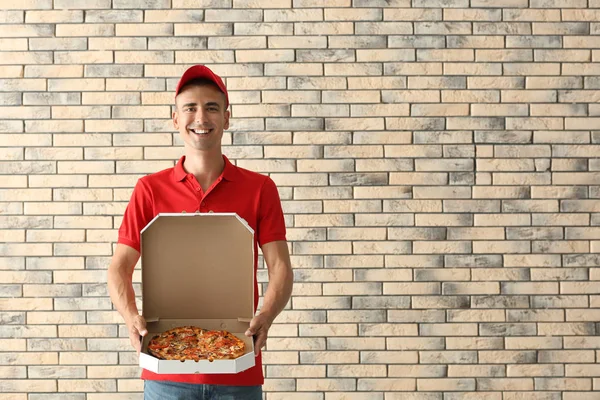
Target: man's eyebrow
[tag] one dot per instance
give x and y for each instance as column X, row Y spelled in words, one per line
column 212, row 103
column 189, row 104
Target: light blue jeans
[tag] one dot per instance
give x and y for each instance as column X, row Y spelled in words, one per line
column 165, row 390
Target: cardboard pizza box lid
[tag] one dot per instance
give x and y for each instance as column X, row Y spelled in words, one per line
column 197, row 266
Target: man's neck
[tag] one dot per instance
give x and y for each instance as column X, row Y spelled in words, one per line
column 205, row 167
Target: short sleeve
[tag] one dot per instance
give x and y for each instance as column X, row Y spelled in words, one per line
column 271, row 224
column 138, row 214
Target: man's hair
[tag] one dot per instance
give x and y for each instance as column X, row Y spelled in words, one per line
column 203, row 82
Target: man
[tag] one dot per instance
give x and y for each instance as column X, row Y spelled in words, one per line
column 204, row 181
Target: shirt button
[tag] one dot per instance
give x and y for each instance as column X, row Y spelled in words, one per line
column 197, row 189
column 203, row 203
column 210, row 211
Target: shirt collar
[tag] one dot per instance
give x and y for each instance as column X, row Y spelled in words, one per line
column 229, row 172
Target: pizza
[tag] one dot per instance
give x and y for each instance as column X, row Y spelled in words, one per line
column 193, row 343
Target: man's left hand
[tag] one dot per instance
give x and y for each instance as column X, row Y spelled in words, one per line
column 259, row 328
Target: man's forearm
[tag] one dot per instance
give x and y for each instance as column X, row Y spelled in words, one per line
column 121, row 292
column 278, row 292
column 120, row 286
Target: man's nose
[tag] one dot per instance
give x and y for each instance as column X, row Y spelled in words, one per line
column 201, row 116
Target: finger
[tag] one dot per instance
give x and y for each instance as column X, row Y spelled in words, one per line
column 140, row 325
column 259, row 343
column 136, row 343
column 252, row 328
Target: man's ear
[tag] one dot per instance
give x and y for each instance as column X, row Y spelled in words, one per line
column 227, row 114
column 175, row 118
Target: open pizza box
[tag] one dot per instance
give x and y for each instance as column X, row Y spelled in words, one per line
column 197, row 269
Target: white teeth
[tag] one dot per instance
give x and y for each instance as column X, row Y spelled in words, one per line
column 198, row 131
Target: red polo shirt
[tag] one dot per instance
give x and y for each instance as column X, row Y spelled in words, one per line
column 252, row 196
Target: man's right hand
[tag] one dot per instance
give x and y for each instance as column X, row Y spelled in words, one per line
column 137, row 327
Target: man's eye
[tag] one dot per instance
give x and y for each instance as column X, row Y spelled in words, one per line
column 212, row 109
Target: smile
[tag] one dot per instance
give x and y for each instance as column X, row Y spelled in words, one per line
column 201, row 131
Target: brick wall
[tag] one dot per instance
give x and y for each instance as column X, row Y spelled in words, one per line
column 437, row 162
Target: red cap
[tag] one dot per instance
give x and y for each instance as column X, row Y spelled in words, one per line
column 201, row 71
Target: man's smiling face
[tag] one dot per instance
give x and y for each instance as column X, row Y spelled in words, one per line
column 201, row 117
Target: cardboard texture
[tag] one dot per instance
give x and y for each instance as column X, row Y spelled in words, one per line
column 197, row 269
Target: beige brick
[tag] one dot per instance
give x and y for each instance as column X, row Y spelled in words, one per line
column 582, row 123
column 313, row 385
column 113, row 372
column 280, row 357
column 29, row 358
column 80, row 385
column 14, row 372
column 579, row 395
column 144, row 57
column 328, row 330
column 240, row 42
column 448, row 55
column 353, row 14
column 579, row 41
column 392, row 55
column 15, row 30
column 348, row 96
column 322, row 193
column 287, row 42
column 365, row 124
column 300, row 371
column 262, row 4
column 86, row 30
column 293, row 15
column 428, row 110
column 296, row 344
column 30, row 385
column 537, row 68
column 232, row 15
column 206, row 56
column 173, row 15
column 146, row 29
column 328, row 110
column 268, row 165
column 318, row 83
column 300, row 179
column 506, row 246
column 391, row 385
column 11, row 17
column 80, row 112
column 563, row 383
column 580, row 370
column 82, row 140
column 140, row 3
column 498, row 109
column 22, row 57
column 110, row 98
column 323, row 28
column 562, row 55
column 293, row 69
column 56, row 16
column 479, row 96
column 11, row 71
column 482, row 82
column 116, row 43
column 262, row 28
column 321, row 138
column 88, row 358
column 320, row 3
column 260, row 110
column 323, row 220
